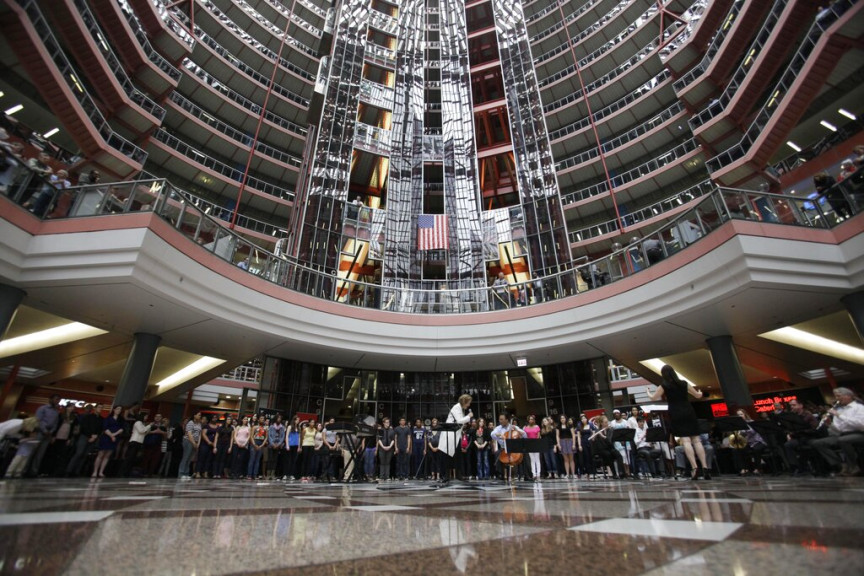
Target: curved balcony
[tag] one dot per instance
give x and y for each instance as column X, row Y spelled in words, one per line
column 234, row 176
column 644, row 216
column 86, row 50
column 609, row 146
column 127, row 36
column 607, row 111
column 166, row 33
column 713, row 47
column 695, row 225
column 765, row 34
column 791, row 93
column 244, row 45
column 587, row 9
column 241, row 138
column 251, row 110
column 50, row 69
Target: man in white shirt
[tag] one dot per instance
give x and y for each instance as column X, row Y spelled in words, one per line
column 846, row 433
column 647, row 453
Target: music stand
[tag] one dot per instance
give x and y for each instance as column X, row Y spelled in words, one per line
column 730, row 424
column 656, row 435
column 524, row 445
column 623, row 435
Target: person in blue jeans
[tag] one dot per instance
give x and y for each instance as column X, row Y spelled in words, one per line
column 418, row 449
column 369, row 459
column 481, row 443
column 259, row 440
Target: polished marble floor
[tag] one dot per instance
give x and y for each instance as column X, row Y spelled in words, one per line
column 736, row 526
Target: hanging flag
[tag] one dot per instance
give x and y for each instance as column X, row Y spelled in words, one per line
column 432, row 232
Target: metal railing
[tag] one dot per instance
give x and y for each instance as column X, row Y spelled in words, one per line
column 152, row 54
column 825, row 18
column 434, row 297
column 70, row 76
column 713, row 48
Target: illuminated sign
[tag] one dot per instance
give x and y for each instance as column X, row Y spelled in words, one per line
column 767, row 404
column 73, row 402
column 719, row 410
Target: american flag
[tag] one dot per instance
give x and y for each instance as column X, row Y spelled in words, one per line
column 432, row 232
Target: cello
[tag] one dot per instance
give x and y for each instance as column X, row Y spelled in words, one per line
column 510, row 459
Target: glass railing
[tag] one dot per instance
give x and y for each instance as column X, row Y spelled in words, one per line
column 628, row 136
column 376, row 94
column 372, row 138
column 257, row 46
column 70, row 76
column 587, row 31
column 383, row 22
column 639, row 23
column 139, row 98
column 718, row 106
column 825, row 211
column 141, row 36
column 234, row 134
column 166, row 15
column 240, row 99
column 611, row 108
column 630, row 175
column 220, row 167
column 825, row 18
column 713, row 48
column 644, row 214
column 380, row 55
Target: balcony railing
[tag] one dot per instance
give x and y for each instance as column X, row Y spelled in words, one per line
column 826, row 17
column 716, row 107
column 139, row 98
column 220, row 167
column 160, row 197
column 712, row 50
column 152, row 54
column 70, row 76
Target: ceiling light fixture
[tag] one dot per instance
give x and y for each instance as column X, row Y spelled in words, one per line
column 656, row 365
column 51, row 132
column 847, row 114
column 828, row 125
column 194, row 369
column 47, row 338
column 14, row 109
column 819, row 344
column 793, row 146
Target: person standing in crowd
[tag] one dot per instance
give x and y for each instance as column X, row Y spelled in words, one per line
column 500, row 434
column 306, row 452
column 549, row 436
column 586, row 459
column 48, row 418
column 403, row 450
column 112, row 429
column 532, row 431
column 564, row 443
column 501, row 293
column 191, row 440
column 276, row 440
column 683, row 418
column 259, row 440
column 624, row 448
column 331, row 450
column 386, row 444
column 89, row 429
column 460, row 413
column 153, row 445
column 224, row 435
column 418, row 449
column 293, row 449
column 240, row 446
column 433, row 439
column 64, row 438
column 481, row 445
column 207, row 447
column 369, row 455
column 136, row 442
column 846, row 433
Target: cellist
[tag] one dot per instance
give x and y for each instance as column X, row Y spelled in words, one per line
column 506, row 431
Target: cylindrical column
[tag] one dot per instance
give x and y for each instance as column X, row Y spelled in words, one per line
column 10, row 299
column 136, row 374
column 854, row 304
column 729, row 372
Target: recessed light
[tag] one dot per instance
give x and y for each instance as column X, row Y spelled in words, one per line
column 847, row 114
column 14, row 109
column 793, row 146
column 51, row 132
column 828, row 125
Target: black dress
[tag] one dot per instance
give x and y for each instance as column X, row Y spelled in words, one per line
column 681, row 413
